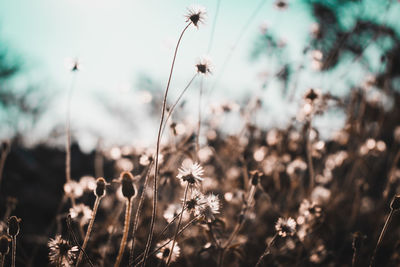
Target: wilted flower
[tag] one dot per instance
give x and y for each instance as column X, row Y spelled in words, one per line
column 204, row 65
column 81, row 213
column 190, row 172
column 196, row 14
column 61, row 252
column 285, row 227
column 163, row 253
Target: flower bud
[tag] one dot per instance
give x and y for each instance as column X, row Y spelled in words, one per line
column 13, row 225
column 100, row 190
column 4, row 245
column 395, row 204
column 128, row 188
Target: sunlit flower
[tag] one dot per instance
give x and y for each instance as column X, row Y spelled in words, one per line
column 190, row 172
column 285, row 227
column 204, row 65
column 196, row 14
column 81, row 213
column 196, row 200
column 210, row 207
column 163, row 253
column 61, row 252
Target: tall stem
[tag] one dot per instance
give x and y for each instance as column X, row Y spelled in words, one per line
column 89, row 230
column 199, row 123
column 125, row 234
column 309, row 157
column 14, row 250
column 384, row 229
column 153, row 216
column 179, row 224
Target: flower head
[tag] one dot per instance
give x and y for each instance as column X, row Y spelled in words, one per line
column 196, row 200
column 190, row 172
column 81, row 213
column 61, row 252
column 204, row 65
column 285, row 227
column 163, row 253
column 196, row 14
column 209, row 207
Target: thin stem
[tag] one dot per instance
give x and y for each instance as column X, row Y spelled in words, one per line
column 89, row 230
column 71, row 233
column 3, row 257
column 309, row 157
column 176, row 102
column 2, row 162
column 266, row 252
column 384, row 229
column 213, row 27
column 199, row 123
column 138, row 213
column 179, row 224
column 354, row 259
column 14, row 250
column 68, row 138
column 125, row 234
column 153, row 216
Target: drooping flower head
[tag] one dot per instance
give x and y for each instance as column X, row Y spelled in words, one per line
column 196, row 14
column 61, row 252
column 163, row 253
column 204, row 65
column 285, row 227
column 191, row 173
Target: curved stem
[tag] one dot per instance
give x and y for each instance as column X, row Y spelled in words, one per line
column 153, row 216
column 125, row 234
column 199, row 122
column 89, row 230
column 179, row 224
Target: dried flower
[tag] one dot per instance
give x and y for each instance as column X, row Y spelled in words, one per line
column 196, row 14
column 100, row 187
column 210, row 207
column 4, row 245
column 13, row 226
column 61, row 252
column 285, row 227
column 196, row 200
column 81, row 213
column 128, row 188
column 191, row 173
column 395, row 204
column 163, row 253
column 204, row 65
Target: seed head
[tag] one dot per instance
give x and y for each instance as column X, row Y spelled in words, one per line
column 128, row 188
column 100, row 190
column 61, row 252
column 190, row 173
column 13, row 226
column 395, row 204
column 4, row 245
column 163, row 253
column 196, row 14
column 285, row 227
column 204, row 65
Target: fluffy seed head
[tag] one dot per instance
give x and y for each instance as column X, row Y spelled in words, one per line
column 61, row 252
column 285, row 227
column 204, row 65
column 163, row 253
column 196, row 14
column 190, row 173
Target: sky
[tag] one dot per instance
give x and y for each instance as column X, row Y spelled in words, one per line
column 116, row 41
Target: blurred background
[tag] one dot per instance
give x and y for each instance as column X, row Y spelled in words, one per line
column 125, row 48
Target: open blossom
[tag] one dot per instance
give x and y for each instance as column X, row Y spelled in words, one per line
column 163, row 253
column 210, row 207
column 285, row 227
column 191, row 173
column 61, row 252
column 204, row 65
column 196, row 14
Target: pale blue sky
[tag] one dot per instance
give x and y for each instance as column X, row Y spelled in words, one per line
column 118, row 39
